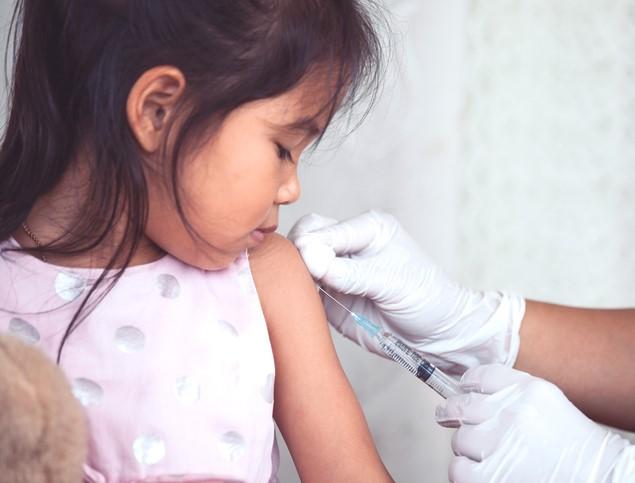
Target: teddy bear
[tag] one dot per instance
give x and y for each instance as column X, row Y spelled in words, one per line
column 42, row 425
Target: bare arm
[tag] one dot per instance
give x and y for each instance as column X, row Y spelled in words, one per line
column 315, row 407
column 589, row 354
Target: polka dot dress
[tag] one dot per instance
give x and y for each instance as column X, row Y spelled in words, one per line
column 174, row 367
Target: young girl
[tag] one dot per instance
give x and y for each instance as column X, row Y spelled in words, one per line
column 149, row 147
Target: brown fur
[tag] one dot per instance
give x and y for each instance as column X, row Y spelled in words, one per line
column 42, row 427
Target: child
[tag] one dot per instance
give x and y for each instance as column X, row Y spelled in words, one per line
column 149, row 146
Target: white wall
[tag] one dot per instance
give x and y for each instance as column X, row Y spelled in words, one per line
column 547, row 199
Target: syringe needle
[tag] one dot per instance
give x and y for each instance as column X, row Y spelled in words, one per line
column 336, row 301
column 404, row 355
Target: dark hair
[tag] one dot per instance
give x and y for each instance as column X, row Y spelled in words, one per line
column 75, row 62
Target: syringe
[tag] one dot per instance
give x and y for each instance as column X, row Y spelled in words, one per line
column 408, row 358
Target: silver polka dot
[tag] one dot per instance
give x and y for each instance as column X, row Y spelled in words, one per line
column 24, row 331
column 168, row 286
column 266, row 391
column 69, row 286
column 188, row 390
column 88, row 392
column 232, row 446
column 148, row 449
column 129, row 339
column 227, row 328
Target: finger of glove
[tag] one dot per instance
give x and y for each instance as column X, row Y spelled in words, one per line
column 357, row 277
column 317, row 258
column 356, row 235
column 491, row 378
column 477, row 442
column 470, row 408
column 307, row 224
column 463, row 470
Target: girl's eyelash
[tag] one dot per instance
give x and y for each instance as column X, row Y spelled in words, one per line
column 284, row 153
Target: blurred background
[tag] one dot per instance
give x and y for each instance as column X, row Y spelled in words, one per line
column 503, row 142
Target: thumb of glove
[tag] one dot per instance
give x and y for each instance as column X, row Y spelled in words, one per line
column 307, row 224
column 342, row 274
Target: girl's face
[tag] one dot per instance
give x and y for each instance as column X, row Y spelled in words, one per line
column 232, row 186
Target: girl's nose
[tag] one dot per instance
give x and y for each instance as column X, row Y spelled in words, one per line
column 290, row 190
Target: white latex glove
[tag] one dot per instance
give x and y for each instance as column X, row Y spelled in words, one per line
column 517, row 428
column 391, row 282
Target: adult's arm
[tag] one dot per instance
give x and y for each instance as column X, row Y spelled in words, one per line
column 588, row 353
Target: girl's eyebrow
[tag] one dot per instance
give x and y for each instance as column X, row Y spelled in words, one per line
column 306, row 125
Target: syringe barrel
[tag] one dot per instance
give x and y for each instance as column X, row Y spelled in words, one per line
column 404, row 355
column 397, row 350
column 443, row 384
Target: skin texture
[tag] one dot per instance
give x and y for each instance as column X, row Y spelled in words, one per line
column 232, row 186
column 315, row 407
column 588, row 353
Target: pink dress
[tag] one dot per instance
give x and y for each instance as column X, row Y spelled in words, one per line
column 174, row 366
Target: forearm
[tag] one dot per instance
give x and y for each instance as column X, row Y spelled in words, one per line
column 589, row 354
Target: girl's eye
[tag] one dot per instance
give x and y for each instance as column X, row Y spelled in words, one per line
column 284, row 153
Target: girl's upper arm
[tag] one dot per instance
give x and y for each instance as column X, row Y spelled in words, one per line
column 315, row 407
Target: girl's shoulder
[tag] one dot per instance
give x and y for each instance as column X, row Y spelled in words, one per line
column 271, row 252
column 282, row 280
column 277, row 264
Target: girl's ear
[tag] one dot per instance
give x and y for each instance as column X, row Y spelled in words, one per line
column 151, row 103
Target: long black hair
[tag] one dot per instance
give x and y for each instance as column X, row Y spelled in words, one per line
column 75, row 61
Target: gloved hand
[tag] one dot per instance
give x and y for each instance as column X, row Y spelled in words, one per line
column 520, row 429
column 388, row 280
